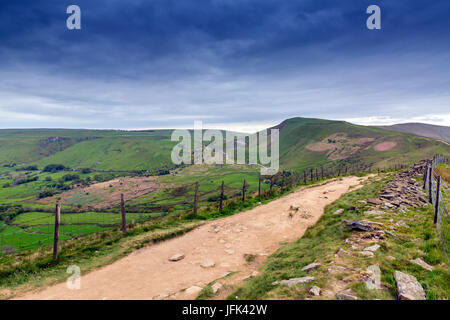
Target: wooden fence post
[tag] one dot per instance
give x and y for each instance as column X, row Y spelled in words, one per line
column 425, row 175
column 56, row 236
column 321, row 171
column 244, row 187
column 436, row 205
column 124, row 215
column 430, row 184
column 317, row 175
column 304, row 176
column 196, row 198
column 311, row 174
column 221, row 196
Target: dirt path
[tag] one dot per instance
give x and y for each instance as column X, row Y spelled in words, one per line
column 148, row 274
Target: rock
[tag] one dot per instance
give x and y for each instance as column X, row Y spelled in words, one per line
column 351, row 208
column 348, row 294
column 208, row 263
column 362, row 201
column 193, row 290
column 408, row 288
column 358, row 225
column 294, row 281
column 339, row 211
column 422, row 264
column 389, row 205
column 176, row 257
column 374, row 201
column 373, row 248
column 333, row 269
column 216, row 287
column 311, row 266
column 229, row 251
column 388, row 196
column 315, row 291
column 341, row 252
column 366, row 253
column 374, row 213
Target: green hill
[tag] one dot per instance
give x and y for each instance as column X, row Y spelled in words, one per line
column 312, row 142
column 99, row 149
column 304, row 143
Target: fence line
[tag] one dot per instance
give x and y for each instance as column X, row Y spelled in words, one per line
column 77, row 224
column 437, row 190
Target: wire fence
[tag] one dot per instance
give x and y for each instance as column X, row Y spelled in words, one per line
column 438, row 194
column 34, row 230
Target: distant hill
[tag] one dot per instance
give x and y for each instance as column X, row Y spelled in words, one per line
column 422, row 129
column 304, row 143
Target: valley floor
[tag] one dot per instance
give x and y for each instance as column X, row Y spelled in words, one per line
column 231, row 249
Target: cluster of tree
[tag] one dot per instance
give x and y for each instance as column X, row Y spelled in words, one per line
column 25, row 179
column 28, row 168
column 9, row 212
column 54, row 168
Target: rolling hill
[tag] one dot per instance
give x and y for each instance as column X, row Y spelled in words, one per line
column 422, row 129
column 304, row 143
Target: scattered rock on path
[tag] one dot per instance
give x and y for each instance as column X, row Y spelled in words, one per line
column 339, row 211
column 294, row 281
column 315, row 291
column 311, row 266
column 208, row 263
column 422, row 264
column 176, row 257
column 408, row 288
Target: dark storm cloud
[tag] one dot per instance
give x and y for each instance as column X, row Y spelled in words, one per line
column 164, row 63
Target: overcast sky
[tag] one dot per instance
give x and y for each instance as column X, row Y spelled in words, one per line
column 234, row 64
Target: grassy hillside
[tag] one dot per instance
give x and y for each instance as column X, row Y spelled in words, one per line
column 312, row 142
column 304, row 143
column 96, row 149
